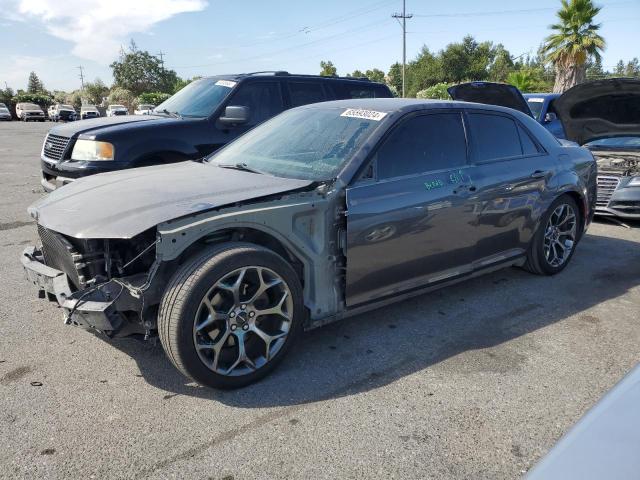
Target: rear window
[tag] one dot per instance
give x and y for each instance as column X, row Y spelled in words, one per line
column 494, row 137
column 303, row 93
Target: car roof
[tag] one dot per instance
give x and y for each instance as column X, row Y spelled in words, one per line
column 282, row 74
column 404, row 105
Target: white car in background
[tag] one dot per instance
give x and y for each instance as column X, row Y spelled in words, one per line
column 61, row 112
column 144, row 109
column 29, row 111
column 113, row 110
column 88, row 111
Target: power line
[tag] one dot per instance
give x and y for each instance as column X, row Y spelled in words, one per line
column 325, row 24
column 403, row 16
column 161, row 54
column 506, row 12
column 81, row 76
column 313, row 42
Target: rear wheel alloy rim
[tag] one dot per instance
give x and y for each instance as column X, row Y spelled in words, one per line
column 243, row 321
column 560, row 235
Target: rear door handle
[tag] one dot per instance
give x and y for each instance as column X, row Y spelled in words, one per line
column 539, row 174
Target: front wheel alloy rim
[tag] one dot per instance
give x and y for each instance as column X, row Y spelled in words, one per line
column 243, row 321
column 560, row 235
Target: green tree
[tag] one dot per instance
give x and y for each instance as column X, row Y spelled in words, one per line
column 395, row 76
column 95, row 91
column 375, row 75
column 619, row 70
column 468, row 60
column 122, row 96
column 594, row 69
column 74, row 98
column 327, row 69
column 501, row 65
column 356, row 74
column 41, row 99
column 436, row 92
column 154, row 98
column 575, row 38
column 632, row 69
column 34, row 85
column 138, row 71
column 6, row 95
column 422, row 72
column 523, row 80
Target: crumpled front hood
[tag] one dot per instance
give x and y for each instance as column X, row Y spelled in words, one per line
column 124, row 203
column 600, row 109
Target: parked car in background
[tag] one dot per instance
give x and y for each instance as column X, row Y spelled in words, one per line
column 542, row 106
column 28, row 112
column 205, row 115
column 60, row 112
column 144, row 109
column 323, row 212
column 114, row 110
column 5, row 114
column 604, row 116
column 88, row 111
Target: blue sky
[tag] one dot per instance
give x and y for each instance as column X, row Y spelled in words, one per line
column 205, row 37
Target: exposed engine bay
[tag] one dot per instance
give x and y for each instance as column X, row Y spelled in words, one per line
column 623, row 163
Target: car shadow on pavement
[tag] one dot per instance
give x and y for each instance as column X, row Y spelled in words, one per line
column 378, row 348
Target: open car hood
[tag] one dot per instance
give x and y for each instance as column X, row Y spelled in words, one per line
column 600, row 109
column 124, row 203
column 500, row 94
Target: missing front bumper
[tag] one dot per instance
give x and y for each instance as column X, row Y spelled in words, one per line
column 92, row 308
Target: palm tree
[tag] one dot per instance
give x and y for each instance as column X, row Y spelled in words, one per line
column 522, row 80
column 574, row 40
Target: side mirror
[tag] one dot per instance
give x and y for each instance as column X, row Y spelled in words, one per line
column 550, row 117
column 235, row 115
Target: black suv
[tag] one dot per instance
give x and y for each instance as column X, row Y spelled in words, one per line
column 200, row 118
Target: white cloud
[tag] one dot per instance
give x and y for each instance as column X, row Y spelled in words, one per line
column 98, row 28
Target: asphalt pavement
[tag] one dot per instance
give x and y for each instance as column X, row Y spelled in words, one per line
column 476, row 381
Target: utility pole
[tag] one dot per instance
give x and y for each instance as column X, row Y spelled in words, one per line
column 161, row 54
column 81, row 76
column 404, row 16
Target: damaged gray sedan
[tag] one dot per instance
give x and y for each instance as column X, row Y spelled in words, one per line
column 323, row 212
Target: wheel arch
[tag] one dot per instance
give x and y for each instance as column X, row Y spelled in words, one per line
column 248, row 234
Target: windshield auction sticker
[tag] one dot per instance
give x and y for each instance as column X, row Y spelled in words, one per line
column 226, row 83
column 366, row 114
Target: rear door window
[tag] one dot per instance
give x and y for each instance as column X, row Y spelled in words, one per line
column 421, row 144
column 264, row 100
column 303, row 93
column 349, row 90
column 529, row 147
column 494, row 137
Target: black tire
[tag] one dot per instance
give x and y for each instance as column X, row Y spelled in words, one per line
column 187, row 288
column 537, row 262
